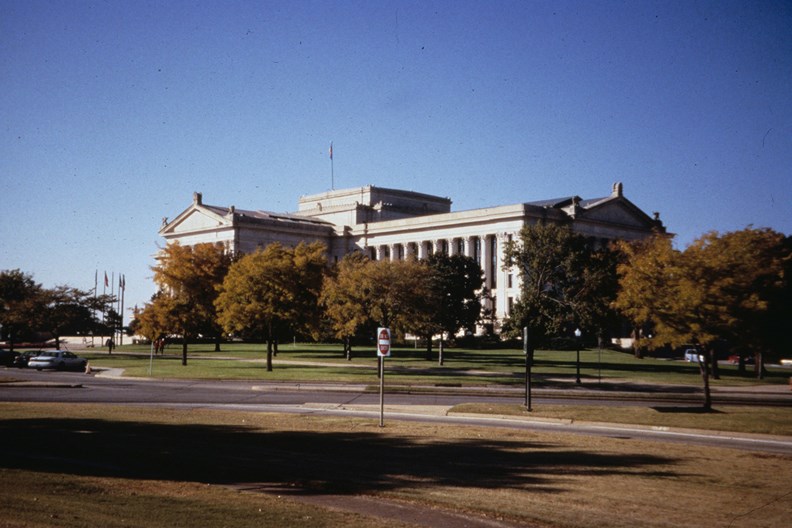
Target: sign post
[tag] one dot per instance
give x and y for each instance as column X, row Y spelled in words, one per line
column 383, row 351
column 528, row 351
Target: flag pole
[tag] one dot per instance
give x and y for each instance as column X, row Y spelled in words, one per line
column 332, row 174
column 96, row 290
column 123, row 291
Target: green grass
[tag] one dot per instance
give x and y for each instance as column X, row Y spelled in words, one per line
column 499, row 367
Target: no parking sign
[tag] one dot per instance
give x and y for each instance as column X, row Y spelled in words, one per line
column 383, row 342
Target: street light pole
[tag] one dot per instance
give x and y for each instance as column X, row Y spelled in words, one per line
column 578, row 333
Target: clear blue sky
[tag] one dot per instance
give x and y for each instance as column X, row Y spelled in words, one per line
column 113, row 112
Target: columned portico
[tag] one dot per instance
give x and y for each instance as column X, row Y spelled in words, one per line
column 390, row 224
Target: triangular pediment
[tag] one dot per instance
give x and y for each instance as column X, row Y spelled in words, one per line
column 195, row 218
column 617, row 210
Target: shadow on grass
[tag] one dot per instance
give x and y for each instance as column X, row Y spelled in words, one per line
column 299, row 462
column 686, row 410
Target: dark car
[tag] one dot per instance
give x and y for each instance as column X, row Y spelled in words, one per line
column 7, row 358
column 734, row 359
column 21, row 361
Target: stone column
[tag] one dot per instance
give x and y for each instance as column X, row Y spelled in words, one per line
column 421, row 250
column 486, row 259
column 469, row 246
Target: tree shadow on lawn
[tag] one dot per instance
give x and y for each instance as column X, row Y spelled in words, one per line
column 685, row 410
column 301, row 462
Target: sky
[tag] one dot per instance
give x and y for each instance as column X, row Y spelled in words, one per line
column 112, row 113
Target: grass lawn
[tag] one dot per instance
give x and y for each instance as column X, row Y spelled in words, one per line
column 505, row 367
column 92, row 465
column 732, row 418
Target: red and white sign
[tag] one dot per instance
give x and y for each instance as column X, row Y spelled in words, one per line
column 383, row 342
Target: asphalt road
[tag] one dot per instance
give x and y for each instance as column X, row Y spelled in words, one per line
column 49, row 386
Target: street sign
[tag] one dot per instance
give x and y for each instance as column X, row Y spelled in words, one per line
column 383, row 342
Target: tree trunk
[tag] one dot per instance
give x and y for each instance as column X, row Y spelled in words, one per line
column 217, row 341
column 184, row 350
column 704, row 369
column 429, row 348
column 348, row 348
column 269, row 354
column 759, row 368
column 636, row 349
column 275, row 347
column 713, row 357
column 440, row 351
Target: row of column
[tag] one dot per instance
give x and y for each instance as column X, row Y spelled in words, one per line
column 486, row 250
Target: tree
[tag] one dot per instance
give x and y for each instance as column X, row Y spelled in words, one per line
column 152, row 320
column 718, row 288
column 365, row 293
column 189, row 277
column 67, row 311
column 399, row 295
column 565, row 282
column 272, row 290
column 345, row 299
column 21, row 304
column 455, row 283
column 739, row 274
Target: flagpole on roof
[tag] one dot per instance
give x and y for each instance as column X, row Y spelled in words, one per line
column 332, row 175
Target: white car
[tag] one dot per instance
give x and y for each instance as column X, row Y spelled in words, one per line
column 57, row 359
column 693, row 356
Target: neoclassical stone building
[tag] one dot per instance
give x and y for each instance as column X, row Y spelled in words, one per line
column 394, row 224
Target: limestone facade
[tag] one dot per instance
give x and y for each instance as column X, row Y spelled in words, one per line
column 395, row 224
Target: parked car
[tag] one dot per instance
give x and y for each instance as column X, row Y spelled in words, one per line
column 692, row 355
column 57, row 359
column 21, row 361
column 734, row 359
column 7, row 357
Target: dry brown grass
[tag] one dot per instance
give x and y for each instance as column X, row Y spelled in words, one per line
column 128, row 463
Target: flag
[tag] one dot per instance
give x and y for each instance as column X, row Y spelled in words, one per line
column 107, row 283
column 331, row 150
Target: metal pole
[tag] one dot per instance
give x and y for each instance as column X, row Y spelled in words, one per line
column 578, row 333
column 528, row 362
column 151, row 357
column 382, row 391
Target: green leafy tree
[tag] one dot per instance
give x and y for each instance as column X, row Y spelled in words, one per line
column 21, row 305
column 455, row 282
column 67, row 311
column 189, row 277
column 400, row 296
column 565, row 282
column 272, row 290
